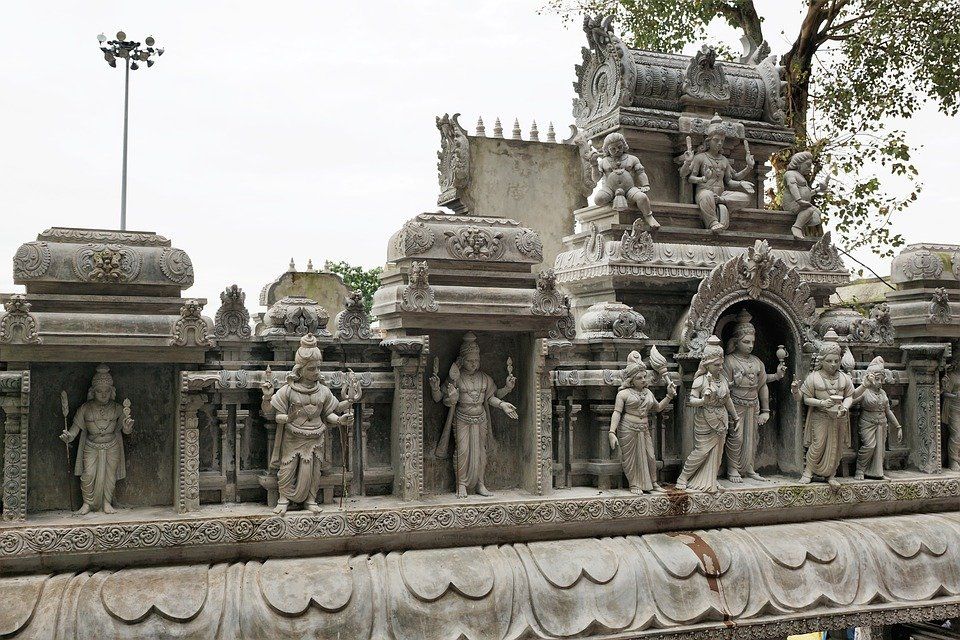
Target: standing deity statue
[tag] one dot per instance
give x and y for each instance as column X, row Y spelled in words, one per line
column 624, row 180
column 827, row 393
column 719, row 190
column 950, row 415
column 630, row 425
column 469, row 393
column 748, row 378
column 303, row 409
column 798, row 196
column 876, row 418
column 101, row 423
column 712, row 410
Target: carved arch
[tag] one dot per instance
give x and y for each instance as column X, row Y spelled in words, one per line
column 758, row 276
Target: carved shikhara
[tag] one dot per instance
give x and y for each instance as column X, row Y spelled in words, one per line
column 14, row 423
column 758, row 275
column 18, row 325
column 191, row 328
column 232, row 320
column 754, row 582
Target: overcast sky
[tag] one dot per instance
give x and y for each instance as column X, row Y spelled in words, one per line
column 296, row 129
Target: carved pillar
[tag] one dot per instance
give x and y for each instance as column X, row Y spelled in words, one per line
column 408, row 361
column 922, row 409
column 188, row 449
column 15, row 402
column 543, row 393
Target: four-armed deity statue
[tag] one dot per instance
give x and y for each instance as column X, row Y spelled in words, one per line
column 624, row 180
column 828, row 393
column 630, row 425
column 798, row 195
column 713, row 409
column 469, row 393
column 101, row 422
column 304, row 408
column 747, row 378
column 720, row 190
column 876, row 418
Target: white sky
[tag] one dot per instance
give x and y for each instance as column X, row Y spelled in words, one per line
column 296, row 129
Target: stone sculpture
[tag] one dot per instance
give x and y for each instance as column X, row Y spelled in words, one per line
column 747, row 378
column 712, row 409
column 827, row 393
column 303, row 409
column 630, row 425
column 719, row 190
column 469, row 393
column 798, row 195
column 876, row 418
column 101, row 422
column 950, row 415
column 624, row 180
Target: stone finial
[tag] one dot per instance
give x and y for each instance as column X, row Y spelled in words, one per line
column 18, row 325
column 292, row 266
column 481, row 130
column 516, row 129
column 497, row 129
column 534, row 132
column 353, row 322
column 191, row 328
column 232, row 319
column 551, row 133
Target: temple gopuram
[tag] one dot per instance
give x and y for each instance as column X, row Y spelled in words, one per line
column 605, row 393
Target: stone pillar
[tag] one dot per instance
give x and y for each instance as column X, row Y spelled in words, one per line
column 922, row 409
column 188, row 449
column 408, row 361
column 14, row 402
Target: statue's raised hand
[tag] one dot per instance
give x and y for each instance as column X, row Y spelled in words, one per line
column 509, row 409
column 781, row 370
column 434, row 381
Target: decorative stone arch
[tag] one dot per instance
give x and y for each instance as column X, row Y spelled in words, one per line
column 754, row 276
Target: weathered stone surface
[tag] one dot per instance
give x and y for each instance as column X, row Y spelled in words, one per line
column 324, row 287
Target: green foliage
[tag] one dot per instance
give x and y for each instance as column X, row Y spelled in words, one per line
column 854, row 65
column 366, row 281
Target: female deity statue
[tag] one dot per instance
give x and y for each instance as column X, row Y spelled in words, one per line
column 630, row 425
column 798, row 196
column 624, row 180
column 101, row 423
column 828, row 393
column 950, row 415
column 303, row 409
column 712, row 408
column 719, row 190
column 747, row 377
column 876, row 417
column 469, row 393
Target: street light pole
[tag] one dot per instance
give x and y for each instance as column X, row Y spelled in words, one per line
column 132, row 53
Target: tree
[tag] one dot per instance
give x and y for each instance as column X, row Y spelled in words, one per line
column 366, row 281
column 854, row 64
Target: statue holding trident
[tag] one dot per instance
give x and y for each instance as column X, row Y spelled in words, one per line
column 469, row 393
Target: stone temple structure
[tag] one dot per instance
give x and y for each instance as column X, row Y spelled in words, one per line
column 636, row 418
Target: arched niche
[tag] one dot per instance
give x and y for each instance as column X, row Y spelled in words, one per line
column 783, row 313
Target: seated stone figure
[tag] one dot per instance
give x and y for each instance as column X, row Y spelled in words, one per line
column 624, row 180
column 719, row 190
column 798, row 196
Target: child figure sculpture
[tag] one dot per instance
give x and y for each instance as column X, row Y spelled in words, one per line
column 304, row 408
column 101, row 423
column 876, row 418
column 624, row 180
column 630, row 425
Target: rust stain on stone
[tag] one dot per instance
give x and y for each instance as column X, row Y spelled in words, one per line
column 710, row 563
column 679, row 502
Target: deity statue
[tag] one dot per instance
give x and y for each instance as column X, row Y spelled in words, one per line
column 624, row 180
column 950, row 415
column 719, row 190
column 101, row 423
column 748, row 378
column 469, row 393
column 828, row 393
column 712, row 409
column 630, row 425
column 798, row 196
column 303, row 409
column 876, row 418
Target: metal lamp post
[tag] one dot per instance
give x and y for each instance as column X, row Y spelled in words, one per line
column 132, row 54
